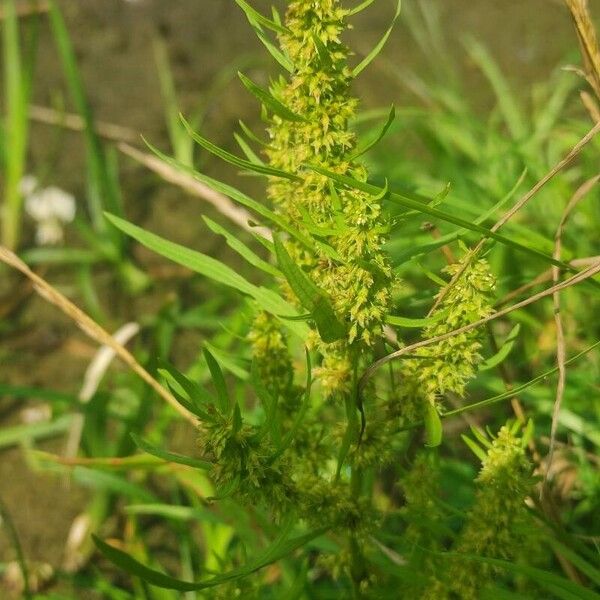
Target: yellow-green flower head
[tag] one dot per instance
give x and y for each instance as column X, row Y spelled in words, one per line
column 498, row 524
column 447, row 367
column 351, row 223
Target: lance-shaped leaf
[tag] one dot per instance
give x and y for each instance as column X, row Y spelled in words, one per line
column 310, row 296
column 218, row 381
column 169, row 456
column 380, row 135
column 362, row 6
column 433, row 427
column 233, row 159
column 256, row 17
column 377, row 49
column 413, row 204
column 213, row 269
column 416, row 323
column 504, row 351
column 281, row 547
column 269, row 101
column 235, row 244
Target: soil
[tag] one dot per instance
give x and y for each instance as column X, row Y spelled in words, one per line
column 113, row 40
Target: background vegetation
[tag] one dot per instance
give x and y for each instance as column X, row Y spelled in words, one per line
column 483, row 113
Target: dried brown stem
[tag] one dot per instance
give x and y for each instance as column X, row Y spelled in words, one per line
column 92, row 329
column 561, row 350
column 517, row 207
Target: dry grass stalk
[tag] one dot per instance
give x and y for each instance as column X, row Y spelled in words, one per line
column 588, row 41
column 575, row 279
column 73, row 122
column 561, row 347
column 92, row 329
column 222, row 203
column 518, row 206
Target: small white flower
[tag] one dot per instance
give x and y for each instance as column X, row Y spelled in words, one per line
column 51, row 208
column 28, row 185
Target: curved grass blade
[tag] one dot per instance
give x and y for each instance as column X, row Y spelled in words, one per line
column 180, row 459
column 506, row 395
column 504, row 351
column 416, row 323
column 380, row 135
column 213, row 269
column 310, row 296
column 561, row 587
column 235, row 244
column 235, row 160
column 234, row 194
column 256, row 17
column 358, row 9
column 269, row 101
column 413, row 204
column 216, row 374
column 281, row 547
column 379, row 46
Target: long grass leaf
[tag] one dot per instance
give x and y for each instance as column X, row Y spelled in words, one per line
column 379, row 46
column 281, row 547
column 213, row 269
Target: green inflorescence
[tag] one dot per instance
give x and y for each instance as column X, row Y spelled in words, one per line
column 447, row 366
column 498, row 524
column 352, row 224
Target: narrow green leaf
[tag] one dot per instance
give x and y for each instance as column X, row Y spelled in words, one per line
column 255, row 17
column 234, row 194
column 561, row 587
column 247, row 150
column 503, row 352
column 416, row 323
column 250, row 134
column 235, row 244
column 269, row 101
column 176, row 513
column 589, row 570
column 379, row 46
column 433, row 427
column 477, row 451
column 306, row 291
column 236, row 160
column 218, row 380
column 362, row 6
column 380, row 135
column 506, row 100
column 281, row 547
column 310, row 297
column 322, row 51
column 213, row 269
column 180, row 459
column 445, row 216
column 102, row 193
column 273, row 50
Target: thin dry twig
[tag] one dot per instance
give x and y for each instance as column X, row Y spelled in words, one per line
column 222, row 203
column 37, row 7
column 561, row 349
column 73, row 122
column 575, row 279
column 517, row 207
column 576, row 263
column 91, row 380
column 92, row 329
column 587, row 40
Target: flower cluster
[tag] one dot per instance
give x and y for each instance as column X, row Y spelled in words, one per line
column 497, row 525
column 447, row 366
column 352, row 224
